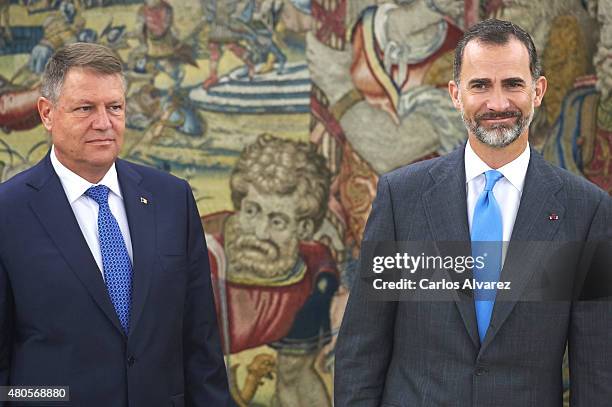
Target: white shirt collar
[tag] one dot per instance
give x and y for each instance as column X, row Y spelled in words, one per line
column 75, row 186
column 514, row 171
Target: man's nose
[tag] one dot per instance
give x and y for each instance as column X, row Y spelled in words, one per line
column 498, row 101
column 262, row 230
column 101, row 121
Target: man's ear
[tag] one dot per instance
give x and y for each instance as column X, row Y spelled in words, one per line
column 305, row 229
column 453, row 90
column 540, row 90
column 45, row 110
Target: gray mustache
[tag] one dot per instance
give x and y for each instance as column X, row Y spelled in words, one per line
column 499, row 115
column 266, row 247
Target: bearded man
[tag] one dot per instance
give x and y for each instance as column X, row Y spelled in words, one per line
column 487, row 347
column 274, row 284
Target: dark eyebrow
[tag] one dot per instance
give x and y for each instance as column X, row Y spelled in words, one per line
column 251, row 202
column 479, row 81
column 513, row 81
column 279, row 214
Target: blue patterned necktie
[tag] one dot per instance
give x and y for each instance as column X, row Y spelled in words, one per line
column 487, row 239
column 116, row 262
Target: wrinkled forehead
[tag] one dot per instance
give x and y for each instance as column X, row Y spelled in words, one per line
column 272, row 202
column 88, row 83
column 495, row 61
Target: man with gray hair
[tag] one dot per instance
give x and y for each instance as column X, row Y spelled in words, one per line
column 104, row 275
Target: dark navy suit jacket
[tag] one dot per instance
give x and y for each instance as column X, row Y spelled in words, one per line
column 57, row 324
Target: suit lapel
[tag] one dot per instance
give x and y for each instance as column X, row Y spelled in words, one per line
column 532, row 224
column 139, row 207
column 54, row 212
column 445, row 205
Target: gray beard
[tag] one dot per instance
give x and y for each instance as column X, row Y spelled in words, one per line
column 498, row 136
column 249, row 257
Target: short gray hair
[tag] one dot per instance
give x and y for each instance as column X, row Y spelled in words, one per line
column 96, row 57
column 279, row 166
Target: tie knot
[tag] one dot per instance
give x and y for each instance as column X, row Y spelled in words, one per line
column 492, row 177
column 98, row 193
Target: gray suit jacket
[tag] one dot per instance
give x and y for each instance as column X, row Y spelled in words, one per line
column 428, row 353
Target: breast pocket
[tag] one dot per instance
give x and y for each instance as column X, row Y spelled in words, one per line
column 169, row 286
column 172, row 272
column 171, row 264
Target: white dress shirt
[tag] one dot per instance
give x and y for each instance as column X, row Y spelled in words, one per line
column 86, row 209
column 507, row 190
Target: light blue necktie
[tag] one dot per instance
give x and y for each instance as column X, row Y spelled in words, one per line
column 116, row 262
column 487, row 239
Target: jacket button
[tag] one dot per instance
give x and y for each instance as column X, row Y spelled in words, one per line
column 131, row 360
column 481, row 371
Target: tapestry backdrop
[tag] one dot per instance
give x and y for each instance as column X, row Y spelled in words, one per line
column 282, row 114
